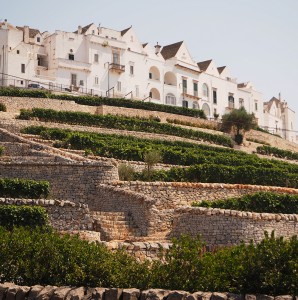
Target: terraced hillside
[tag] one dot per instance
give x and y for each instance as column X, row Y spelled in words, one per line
column 77, row 145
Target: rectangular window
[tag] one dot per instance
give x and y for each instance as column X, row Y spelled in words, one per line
column 96, row 57
column 231, row 101
column 38, row 39
column 184, row 86
column 96, row 80
column 18, row 51
column 119, row 86
column 185, row 103
column 131, row 70
column 241, row 102
column 81, row 82
column 71, row 56
column 256, row 106
column 150, row 75
column 137, row 91
column 195, row 89
column 23, row 68
column 116, row 58
column 214, row 96
column 73, row 79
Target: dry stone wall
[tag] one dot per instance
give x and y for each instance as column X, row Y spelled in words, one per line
column 11, row 291
column 63, row 215
column 222, row 227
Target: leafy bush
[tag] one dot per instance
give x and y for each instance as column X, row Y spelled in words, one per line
column 126, row 172
column 2, row 107
column 97, row 101
column 23, row 188
column 31, row 216
column 122, row 123
column 262, row 202
column 268, row 150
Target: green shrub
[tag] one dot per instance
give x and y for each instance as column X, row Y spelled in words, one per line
column 122, row 123
column 262, row 202
column 23, row 188
column 2, row 107
column 31, row 216
column 126, row 172
column 268, row 150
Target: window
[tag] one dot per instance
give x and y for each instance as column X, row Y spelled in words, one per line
column 185, row 103
column 96, row 57
column 214, row 96
column 119, row 86
column 170, row 99
column 231, row 101
column 71, row 56
column 23, row 68
column 195, row 105
column 205, row 90
column 256, row 106
column 131, row 70
column 184, row 86
column 18, row 51
column 116, row 58
column 96, row 80
column 150, row 75
column 195, row 89
column 93, row 31
column 81, row 82
column 137, row 91
column 73, row 79
column 38, row 39
column 150, row 94
column 241, row 102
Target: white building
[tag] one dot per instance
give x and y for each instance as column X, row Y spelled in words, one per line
column 104, row 61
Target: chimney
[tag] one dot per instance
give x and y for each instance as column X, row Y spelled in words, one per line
column 157, row 48
column 26, row 34
column 79, row 29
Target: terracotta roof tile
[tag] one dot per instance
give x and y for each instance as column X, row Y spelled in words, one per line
column 170, row 51
column 203, row 65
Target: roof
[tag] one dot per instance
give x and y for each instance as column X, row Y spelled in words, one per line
column 85, row 28
column 242, row 85
column 125, row 30
column 203, row 65
column 144, row 45
column 170, row 51
column 220, row 69
column 32, row 32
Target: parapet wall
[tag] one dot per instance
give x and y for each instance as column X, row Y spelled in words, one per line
column 63, row 215
column 170, row 195
column 222, row 227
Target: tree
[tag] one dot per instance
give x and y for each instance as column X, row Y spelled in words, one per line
column 151, row 158
column 238, row 121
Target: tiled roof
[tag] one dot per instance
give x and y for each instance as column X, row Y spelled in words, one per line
column 203, row 65
column 220, row 69
column 170, row 51
column 84, row 29
column 32, row 32
column 124, row 31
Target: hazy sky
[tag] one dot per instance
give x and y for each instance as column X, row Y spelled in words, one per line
column 256, row 39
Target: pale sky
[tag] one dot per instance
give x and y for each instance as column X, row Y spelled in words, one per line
column 256, row 39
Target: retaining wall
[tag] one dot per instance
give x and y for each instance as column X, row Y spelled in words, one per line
column 63, row 215
column 224, row 227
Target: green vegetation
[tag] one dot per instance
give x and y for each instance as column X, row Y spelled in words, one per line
column 23, row 188
column 262, row 202
column 2, row 107
column 268, row 150
column 1, row 150
column 238, row 121
column 122, row 123
column 192, row 124
column 97, row 101
column 126, row 172
column 29, row 257
column 27, row 216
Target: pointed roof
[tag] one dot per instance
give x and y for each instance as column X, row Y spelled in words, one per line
column 85, row 28
column 220, row 69
column 203, row 65
column 170, row 51
column 125, row 30
column 32, row 32
column 144, row 45
column 242, row 85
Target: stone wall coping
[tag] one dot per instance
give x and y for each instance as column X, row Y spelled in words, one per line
column 237, row 214
column 207, row 185
column 41, row 202
column 64, row 163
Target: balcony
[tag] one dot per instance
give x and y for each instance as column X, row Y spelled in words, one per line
column 117, row 68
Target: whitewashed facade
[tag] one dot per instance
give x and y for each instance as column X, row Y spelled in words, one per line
column 115, row 63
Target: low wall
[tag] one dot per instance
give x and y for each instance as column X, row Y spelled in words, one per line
column 10, row 291
column 222, row 227
column 63, row 215
column 169, row 195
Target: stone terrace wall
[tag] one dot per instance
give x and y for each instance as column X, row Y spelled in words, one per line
column 10, row 291
column 63, row 215
column 169, row 195
column 228, row 227
column 141, row 208
column 74, row 181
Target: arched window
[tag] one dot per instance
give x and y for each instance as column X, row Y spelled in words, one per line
column 206, row 109
column 205, row 90
column 154, row 94
column 170, row 99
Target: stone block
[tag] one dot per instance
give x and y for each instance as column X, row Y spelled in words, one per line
column 113, row 294
column 23, row 293
column 284, row 297
column 154, row 294
column 60, row 293
column 4, row 288
column 177, row 295
column 264, row 297
column 46, row 293
column 131, row 294
column 11, row 292
column 35, row 290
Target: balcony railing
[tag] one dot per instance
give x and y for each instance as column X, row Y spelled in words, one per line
column 117, row 67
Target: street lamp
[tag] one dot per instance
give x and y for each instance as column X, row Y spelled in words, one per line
column 108, row 92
